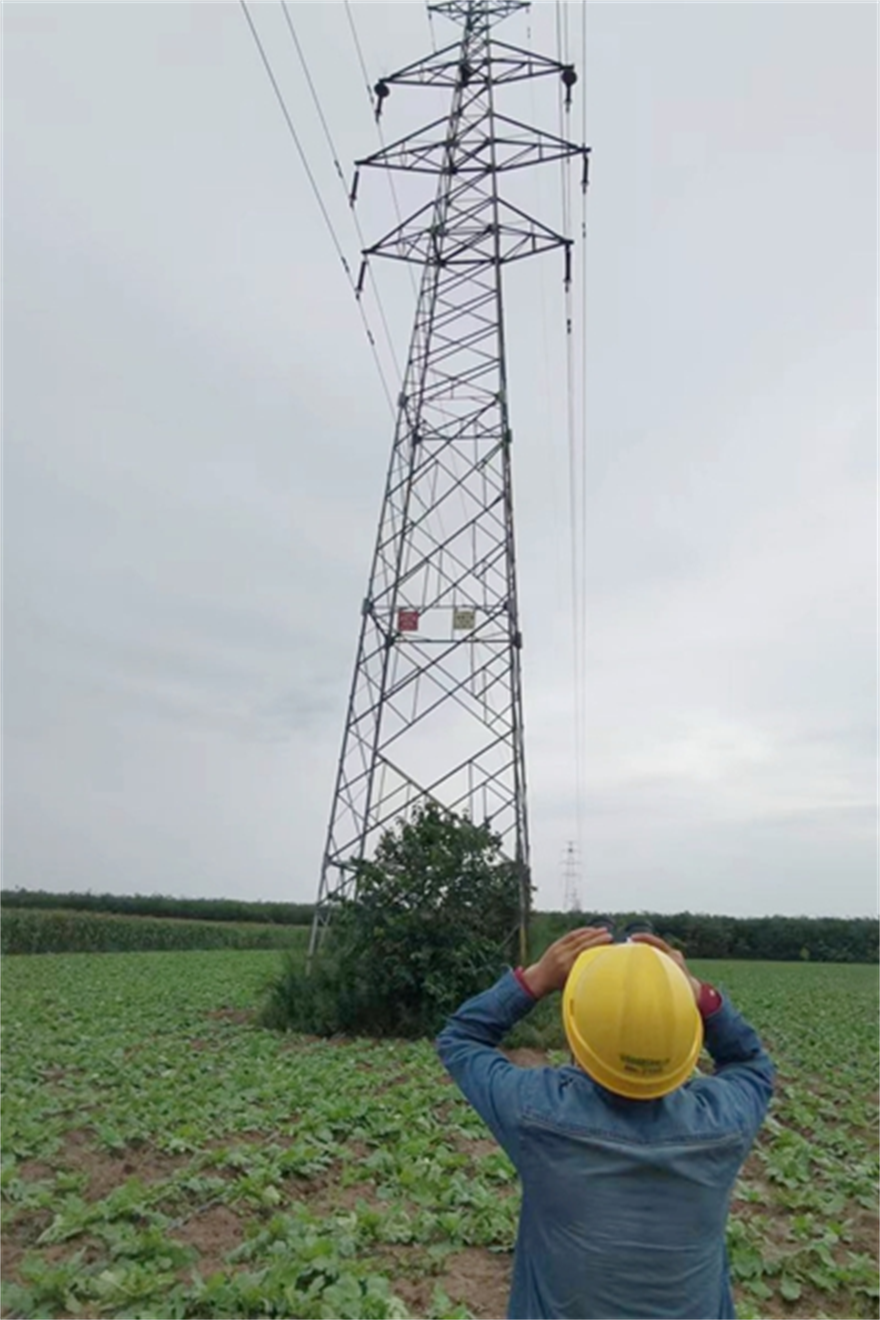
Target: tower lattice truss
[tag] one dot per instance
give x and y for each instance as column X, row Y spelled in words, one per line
column 435, row 708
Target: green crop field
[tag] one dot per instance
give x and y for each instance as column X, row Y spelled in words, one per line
column 161, row 1156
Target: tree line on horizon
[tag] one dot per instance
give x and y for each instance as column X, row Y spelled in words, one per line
column 756, row 939
column 699, row 935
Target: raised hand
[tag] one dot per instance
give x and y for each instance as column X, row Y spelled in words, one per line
column 676, row 956
column 551, row 970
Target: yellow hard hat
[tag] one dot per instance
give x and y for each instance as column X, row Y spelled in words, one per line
column 631, row 1020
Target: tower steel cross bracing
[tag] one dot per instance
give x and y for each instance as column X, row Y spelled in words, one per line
column 435, row 707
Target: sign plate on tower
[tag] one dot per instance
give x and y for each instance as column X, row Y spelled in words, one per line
column 407, row 621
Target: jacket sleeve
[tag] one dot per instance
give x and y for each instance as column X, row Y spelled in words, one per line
column 742, row 1065
column 468, row 1049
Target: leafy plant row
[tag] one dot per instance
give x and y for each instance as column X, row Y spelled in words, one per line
column 775, row 939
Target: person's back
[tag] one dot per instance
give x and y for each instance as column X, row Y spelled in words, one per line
column 625, row 1200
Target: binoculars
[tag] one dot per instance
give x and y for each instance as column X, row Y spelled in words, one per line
column 622, row 935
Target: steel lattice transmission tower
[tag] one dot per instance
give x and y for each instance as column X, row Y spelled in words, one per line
column 571, row 877
column 435, row 709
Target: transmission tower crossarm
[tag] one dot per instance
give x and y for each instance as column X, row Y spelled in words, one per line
column 436, row 70
column 475, row 235
column 421, row 154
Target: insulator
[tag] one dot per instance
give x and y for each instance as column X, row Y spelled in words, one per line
column 382, row 90
column 359, row 287
column 352, row 196
column 585, row 177
column 465, row 73
column 567, row 264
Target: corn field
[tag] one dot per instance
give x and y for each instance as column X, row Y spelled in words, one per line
column 35, row 931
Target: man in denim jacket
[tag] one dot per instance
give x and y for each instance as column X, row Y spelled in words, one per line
column 625, row 1201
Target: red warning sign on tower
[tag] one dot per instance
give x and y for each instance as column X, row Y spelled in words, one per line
column 407, row 621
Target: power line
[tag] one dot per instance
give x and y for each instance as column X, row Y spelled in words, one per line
column 549, row 393
column 335, row 156
column 381, row 135
column 318, row 198
column 583, row 419
column 360, row 53
column 389, row 174
column 573, row 471
column 297, row 143
column 312, row 89
column 565, row 45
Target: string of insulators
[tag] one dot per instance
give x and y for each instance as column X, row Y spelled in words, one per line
column 382, row 90
column 466, row 73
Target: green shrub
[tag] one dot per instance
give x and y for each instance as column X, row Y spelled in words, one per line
column 434, row 921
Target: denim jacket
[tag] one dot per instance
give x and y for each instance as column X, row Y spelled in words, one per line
column 624, row 1202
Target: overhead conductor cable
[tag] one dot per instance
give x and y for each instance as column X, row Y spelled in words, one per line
column 335, row 157
column 583, row 323
column 573, row 471
column 366, row 76
column 319, row 199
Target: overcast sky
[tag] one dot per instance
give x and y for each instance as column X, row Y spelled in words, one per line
column 196, row 440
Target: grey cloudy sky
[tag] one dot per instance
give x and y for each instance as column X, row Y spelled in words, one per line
column 196, row 438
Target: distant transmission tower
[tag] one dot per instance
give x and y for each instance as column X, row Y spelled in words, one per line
column 435, row 709
column 571, row 880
